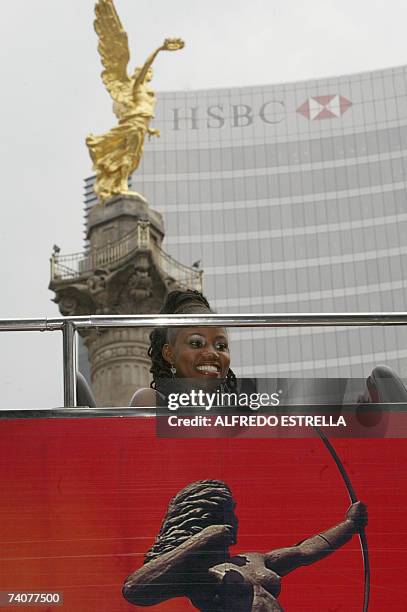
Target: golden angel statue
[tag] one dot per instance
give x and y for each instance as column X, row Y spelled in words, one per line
column 117, row 153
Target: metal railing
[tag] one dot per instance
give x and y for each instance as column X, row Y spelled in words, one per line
column 186, row 277
column 75, row 265
column 69, row 326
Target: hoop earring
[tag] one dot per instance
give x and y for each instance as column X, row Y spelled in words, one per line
column 173, row 370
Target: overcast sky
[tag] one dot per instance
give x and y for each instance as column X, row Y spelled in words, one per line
column 52, row 96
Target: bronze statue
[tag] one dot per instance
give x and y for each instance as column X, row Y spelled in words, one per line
column 117, row 154
column 190, row 556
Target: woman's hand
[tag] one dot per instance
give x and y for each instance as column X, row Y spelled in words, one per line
column 357, row 513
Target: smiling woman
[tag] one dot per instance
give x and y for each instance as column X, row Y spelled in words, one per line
column 202, row 351
column 198, row 353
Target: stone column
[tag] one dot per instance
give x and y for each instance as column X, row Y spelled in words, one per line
column 119, row 362
column 119, row 365
column 125, row 271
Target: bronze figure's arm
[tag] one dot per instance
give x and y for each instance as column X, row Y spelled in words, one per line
column 168, row 576
column 285, row 560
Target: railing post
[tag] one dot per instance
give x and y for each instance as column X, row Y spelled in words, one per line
column 52, row 262
column 69, row 359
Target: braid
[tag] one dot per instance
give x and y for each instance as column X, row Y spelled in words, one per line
column 183, row 302
column 160, row 368
column 178, row 302
column 199, row 505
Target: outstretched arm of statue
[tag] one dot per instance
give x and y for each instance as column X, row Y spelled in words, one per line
column 169, row 44
column 147, row 65
column 169, row 574
column 285, row 560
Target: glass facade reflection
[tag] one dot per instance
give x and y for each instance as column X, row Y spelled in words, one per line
column 293, row 197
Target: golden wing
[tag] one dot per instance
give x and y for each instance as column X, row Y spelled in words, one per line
column 113, row 48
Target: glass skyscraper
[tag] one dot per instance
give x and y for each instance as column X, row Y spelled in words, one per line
column 293, row 198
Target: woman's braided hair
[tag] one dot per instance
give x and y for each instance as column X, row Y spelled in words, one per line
column 178, row 302
column 199, row 505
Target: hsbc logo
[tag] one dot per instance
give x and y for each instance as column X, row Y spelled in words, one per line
column 217, row 116
column 271, row 112
column 324, row 107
